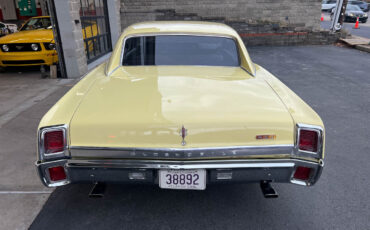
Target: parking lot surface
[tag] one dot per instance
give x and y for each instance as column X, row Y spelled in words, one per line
column 24, row 98
column 327, row 78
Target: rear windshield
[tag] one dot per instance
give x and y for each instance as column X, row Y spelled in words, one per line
column 180, row 50
column 353, row 8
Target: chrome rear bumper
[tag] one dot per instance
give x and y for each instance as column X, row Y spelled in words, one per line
column 239, row 171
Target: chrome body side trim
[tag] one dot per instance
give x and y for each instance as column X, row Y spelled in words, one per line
column 181, row 153
column 206, row 164
column 254, row 75
column 111, row 72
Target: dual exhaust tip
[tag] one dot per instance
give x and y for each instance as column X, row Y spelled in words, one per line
column 267, row 190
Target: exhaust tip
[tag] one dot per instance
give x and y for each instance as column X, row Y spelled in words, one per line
column 97, row 190
column 267, row 190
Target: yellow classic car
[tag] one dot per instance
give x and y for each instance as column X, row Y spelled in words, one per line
column 181, row 105
column 32, row 45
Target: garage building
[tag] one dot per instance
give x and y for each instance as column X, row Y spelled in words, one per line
column 87, row 30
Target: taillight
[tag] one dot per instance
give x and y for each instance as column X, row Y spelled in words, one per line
column 57, row 173
column 54, row 141
column 308, row 140
column 302, row 173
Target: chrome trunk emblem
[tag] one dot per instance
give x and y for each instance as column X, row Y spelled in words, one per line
column 183, row 134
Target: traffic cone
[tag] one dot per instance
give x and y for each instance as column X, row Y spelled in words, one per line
column 322, row 17
column 356, row 25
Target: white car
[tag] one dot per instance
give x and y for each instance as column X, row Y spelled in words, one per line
column 328, row 5
column 7, row 28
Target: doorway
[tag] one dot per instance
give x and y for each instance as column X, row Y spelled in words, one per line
column 8, row 9
column 44, row 7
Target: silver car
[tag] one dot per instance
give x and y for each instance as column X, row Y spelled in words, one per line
column 7, row 28
column 328, row 5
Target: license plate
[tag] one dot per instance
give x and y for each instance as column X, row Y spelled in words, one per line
column 194, row 179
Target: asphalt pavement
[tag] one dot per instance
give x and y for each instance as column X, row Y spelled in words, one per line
column 335, row 81
column 24, row 98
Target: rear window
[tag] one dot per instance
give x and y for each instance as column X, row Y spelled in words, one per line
column 353, row 8
column 180, row 50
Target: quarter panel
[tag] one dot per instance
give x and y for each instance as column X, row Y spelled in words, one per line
column 300, row 111
column 63, row 110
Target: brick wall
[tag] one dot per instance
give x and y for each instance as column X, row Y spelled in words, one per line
column 260, row 22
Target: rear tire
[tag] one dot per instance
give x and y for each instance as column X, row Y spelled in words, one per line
column 2, row 69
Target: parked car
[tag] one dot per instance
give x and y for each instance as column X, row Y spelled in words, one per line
column 32, row 45
column 7, row 28
column 181, row 105
column 363, row 5
column 352, row 13
column 328, row 5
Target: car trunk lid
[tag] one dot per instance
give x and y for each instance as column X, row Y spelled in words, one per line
column 146, row 107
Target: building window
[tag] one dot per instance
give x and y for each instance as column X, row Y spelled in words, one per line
column 95, row 28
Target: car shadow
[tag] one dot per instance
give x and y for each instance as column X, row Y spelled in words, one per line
column 149, row 207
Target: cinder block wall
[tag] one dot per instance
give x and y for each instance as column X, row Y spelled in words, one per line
column 79, row 49
column 260, row 22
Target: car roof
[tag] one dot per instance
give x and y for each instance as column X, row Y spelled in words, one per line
column 178, row 28
column 185, row 27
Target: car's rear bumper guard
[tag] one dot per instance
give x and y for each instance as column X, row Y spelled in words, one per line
column 239, row 171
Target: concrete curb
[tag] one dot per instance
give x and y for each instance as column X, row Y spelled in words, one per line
column 357, row 42
column 365, row 48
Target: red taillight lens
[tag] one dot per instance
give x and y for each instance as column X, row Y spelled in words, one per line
column 308, row 140
column 302, row 173
column 57, row 173
column 54, row 141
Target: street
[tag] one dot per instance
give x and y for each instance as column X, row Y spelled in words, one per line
column 363, row 31
column 330, row 81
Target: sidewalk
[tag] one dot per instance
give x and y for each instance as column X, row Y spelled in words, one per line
column 358, row 42
column 24, row 98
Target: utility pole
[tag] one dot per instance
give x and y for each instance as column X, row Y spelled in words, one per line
column 338, row 16
column 342, row 12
